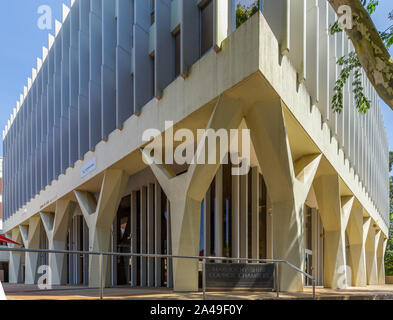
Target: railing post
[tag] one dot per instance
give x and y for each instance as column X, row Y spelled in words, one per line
column 277, row 280
column 313, row 288
column 204, row 278
column 101, row 262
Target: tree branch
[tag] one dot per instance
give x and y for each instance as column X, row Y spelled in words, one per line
column 371, row 51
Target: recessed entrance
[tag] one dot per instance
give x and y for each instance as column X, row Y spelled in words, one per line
column 123, row 243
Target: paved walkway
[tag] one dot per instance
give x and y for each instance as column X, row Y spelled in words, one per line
column 31, row 292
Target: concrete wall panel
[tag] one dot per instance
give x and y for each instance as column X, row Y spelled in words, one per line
column 57, row 107
column 108, row 71
column 190, row 35
column 65, row 96
column 73, row 84
column 164, row 53
column 312, row 50
column 142, row 62
column 84, row 76
column 95, row 37
column 298, row 24
column 277, row 14
column 124, row 84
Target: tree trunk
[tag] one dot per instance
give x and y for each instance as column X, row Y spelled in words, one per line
column 371, row 50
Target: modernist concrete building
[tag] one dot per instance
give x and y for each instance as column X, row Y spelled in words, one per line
column 74, row 177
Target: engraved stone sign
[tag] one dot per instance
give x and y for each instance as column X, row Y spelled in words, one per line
column 240, row 275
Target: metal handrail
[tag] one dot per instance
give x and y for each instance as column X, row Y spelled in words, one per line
column 166, row 256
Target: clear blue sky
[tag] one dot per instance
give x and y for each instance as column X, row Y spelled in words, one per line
column 21, row 43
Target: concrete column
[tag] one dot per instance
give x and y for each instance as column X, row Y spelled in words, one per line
column 150, row 234
column 113, row 259
column 186, row 192
column 71, row 259
column 244, row 216
column 207, row 224
column 169, row 244
column 235, row 217
column 157, row 233
column 255, row 213
column 335, row 211
column 371, row 254
column 85, row 244
column 288, row 185
column 75, row 258
column 143, row 236
column 269, row 229
column 99, row 217
column 219, row 222
column 56, row 226
column 357, row 241
column 78, row 240
column 15, row 274
column 380, row 258
column 31, row 239
column 134, row 260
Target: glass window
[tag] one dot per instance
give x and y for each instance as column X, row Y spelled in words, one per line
column 177, row 54
column 153, row 61
column 207, row 13
column 152, row 13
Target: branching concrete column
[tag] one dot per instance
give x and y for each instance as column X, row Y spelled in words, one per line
column 288, row 185
column 357, row 242
column 380, row 258
column 56, row 226
column 99, row 216
column 335, row 211
column 31, row 239
column 185, row 193
column 371, row 254
column 15, row 274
